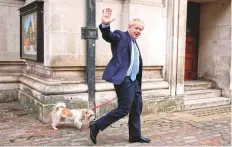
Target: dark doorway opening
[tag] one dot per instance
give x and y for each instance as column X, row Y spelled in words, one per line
column 192, row 41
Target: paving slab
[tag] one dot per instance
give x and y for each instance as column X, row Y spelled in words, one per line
column 200, row 127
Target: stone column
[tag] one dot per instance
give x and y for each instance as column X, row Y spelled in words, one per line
column 175, row 70
column 181, row 47
column 174, row 46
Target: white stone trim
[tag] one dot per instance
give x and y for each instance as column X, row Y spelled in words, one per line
column 9, row 86
column 152, row 85
column 160, row 3
column 11, row 3
column 10, row 79
column 54, row 89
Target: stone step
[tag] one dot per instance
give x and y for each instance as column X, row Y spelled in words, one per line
column 206, row 102
column 197, row 85
column 199, row 94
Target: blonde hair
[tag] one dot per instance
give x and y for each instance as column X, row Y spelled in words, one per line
column 136, row 21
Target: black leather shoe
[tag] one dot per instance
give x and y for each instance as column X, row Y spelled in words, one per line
column 140, row 139
column 93, row 131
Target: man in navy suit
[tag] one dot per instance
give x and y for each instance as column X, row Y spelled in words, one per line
column 125, row 71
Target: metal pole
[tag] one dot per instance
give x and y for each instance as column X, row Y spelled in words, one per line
column 90, row 34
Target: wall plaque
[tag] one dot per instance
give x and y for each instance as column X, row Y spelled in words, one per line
column 31, row 31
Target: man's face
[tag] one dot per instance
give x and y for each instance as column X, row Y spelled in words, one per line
column 135, row 31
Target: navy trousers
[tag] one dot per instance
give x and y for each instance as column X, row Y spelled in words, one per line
column 129, row 101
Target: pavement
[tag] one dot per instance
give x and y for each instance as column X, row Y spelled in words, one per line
column 201, row 127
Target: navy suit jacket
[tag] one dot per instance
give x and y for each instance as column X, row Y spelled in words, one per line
column 117, row 67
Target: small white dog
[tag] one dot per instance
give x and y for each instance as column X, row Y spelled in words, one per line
column 64, row 116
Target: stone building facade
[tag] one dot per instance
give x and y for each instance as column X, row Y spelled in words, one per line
column 62, row 74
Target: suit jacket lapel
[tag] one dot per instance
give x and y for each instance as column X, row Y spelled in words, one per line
column 129, row 42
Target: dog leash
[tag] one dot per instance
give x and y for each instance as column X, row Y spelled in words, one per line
column 103, row 104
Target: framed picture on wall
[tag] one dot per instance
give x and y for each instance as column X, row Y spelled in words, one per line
column 32, row 32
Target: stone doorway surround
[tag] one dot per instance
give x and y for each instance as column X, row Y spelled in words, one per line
column 174, row 72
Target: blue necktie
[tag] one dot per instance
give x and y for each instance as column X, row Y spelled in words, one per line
column 135, row 67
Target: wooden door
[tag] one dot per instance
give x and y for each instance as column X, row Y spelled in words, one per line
column 190, row 58
column 192, row 35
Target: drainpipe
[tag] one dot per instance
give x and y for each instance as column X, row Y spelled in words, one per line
column 90, row 34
